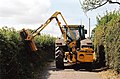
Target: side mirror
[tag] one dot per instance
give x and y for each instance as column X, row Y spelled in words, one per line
column 85, row 31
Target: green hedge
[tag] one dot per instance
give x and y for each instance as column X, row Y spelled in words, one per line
column 106, row 38
column 16, row 62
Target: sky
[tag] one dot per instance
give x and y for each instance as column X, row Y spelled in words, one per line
column 30, row 14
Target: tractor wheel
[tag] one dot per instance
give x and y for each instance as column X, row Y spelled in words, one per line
column 59, row 58
column 89, row 66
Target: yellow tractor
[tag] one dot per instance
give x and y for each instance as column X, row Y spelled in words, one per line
column 70, row 48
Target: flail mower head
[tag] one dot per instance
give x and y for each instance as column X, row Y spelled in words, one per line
column 29, row 43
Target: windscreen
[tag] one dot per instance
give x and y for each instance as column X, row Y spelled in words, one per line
column 78, row 32
column 75, row 32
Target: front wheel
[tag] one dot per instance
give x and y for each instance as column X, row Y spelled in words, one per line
column 59, row 58
column 89, row 66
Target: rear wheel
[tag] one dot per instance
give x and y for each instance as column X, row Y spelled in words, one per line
column 59, row 58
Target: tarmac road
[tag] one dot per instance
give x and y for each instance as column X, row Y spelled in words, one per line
column 68, row 73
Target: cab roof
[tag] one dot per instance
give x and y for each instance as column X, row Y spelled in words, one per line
column 74, row 26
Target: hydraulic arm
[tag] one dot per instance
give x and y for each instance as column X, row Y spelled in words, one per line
column 27, row 37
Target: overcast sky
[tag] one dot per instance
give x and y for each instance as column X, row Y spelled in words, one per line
column 32, row 13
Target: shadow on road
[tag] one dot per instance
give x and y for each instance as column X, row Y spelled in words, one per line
column 77, row 67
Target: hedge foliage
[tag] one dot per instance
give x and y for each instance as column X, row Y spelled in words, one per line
column 16, row 62
column 106, row 38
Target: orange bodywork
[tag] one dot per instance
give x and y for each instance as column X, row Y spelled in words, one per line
column 84, row 55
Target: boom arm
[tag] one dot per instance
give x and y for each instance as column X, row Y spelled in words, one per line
column 27, row 38
column 33, row 34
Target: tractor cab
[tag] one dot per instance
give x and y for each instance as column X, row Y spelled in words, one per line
column 78, row 33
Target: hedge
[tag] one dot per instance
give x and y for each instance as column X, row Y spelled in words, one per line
column 16, row 62
column 106, row 38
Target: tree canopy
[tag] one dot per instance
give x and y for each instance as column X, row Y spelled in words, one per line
column 93, row 4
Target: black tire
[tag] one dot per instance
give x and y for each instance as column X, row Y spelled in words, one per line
column 59, row 58
column 89, row 66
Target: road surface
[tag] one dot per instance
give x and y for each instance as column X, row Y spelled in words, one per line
column 68, row 73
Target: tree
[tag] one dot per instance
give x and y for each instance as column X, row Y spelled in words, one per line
column 93, row 4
